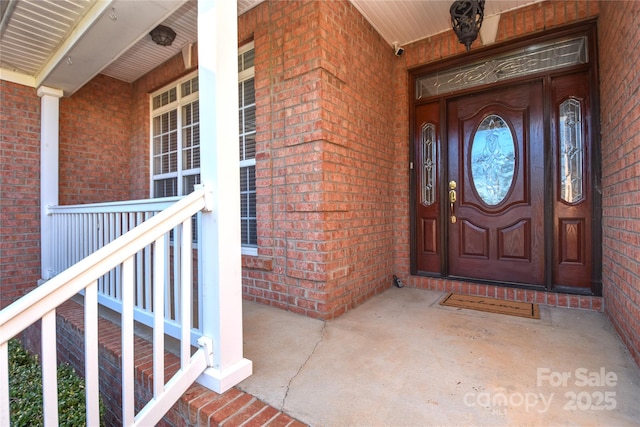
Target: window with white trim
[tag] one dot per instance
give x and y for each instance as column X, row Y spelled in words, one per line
column 247, row 118
column 175, row 139
column 175, row 142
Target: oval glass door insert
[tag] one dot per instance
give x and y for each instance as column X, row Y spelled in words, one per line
column 493, row 160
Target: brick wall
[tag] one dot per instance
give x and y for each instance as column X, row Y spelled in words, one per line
column 95, row 149
column 324, row 157
column 19, row 191
column 618, row 39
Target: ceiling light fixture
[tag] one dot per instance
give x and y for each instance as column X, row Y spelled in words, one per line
column 163, row 35
column 466, row 19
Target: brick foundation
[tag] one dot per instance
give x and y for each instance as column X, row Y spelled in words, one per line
column 552, row 299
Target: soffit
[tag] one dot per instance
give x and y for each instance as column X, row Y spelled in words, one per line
column 65, row 44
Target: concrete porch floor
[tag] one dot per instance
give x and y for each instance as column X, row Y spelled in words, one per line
column 401, row 359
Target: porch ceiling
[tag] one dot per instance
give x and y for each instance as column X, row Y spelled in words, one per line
column 64, row 45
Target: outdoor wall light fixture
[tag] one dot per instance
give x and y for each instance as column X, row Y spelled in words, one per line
column 163, row 35
column 466, row 19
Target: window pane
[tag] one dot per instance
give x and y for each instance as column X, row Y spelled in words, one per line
column 247, row 117
column 244, row 207
column 252, row 204
column 188, row 183
column 248, row 205
column 164, row 98
column 165, row 187
column 428, row 167
column 246, row 60
column 190, row 137
column 249, row 58
column 493, row 160
column 571, row 151
column 250, row 146
column 249, row 92
column 250, row 119
column 189, row 87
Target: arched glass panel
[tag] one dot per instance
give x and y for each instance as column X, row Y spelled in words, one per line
column 493, row 160
column 428, row 165
column 571, row 151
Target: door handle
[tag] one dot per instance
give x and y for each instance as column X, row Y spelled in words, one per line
column 452, row 200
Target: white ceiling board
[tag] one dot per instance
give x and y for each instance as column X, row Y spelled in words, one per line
column 145, row 54
column 406, row 21
column 38, row 36
column 35, row 30
column 114, row 32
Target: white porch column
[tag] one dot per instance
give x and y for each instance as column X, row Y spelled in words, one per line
column 49, row 142
column 220, row 170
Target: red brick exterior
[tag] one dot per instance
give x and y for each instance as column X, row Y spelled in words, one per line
column 324, row 157
column 332, row 157
column 19, row 191
column 619, row 37
column 95, row 151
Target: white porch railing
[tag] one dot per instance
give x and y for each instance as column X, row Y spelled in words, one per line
column 80, row 230
column 84, row 276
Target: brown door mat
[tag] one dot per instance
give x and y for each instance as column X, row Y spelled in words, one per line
column 492, row 305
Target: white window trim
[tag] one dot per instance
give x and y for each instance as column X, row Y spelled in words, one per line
column 242, row 76
column 176, row 105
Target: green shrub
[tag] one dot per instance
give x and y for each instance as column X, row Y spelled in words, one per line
column 25, row 391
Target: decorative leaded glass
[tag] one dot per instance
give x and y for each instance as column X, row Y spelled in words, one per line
column 571, row 151
column 521, row 62
column 427, row 165
column 493, row 160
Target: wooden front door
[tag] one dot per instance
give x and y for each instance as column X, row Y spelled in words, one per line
column 495, row 186
column 503, row 186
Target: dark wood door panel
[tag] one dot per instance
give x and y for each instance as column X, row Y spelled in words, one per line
column 572, row 182
column 427, row 169
column 496, row 150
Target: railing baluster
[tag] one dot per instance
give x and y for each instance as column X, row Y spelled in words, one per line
column 100, row 241
column 186, row 303
column 77, row 256
column 139, row 301
column 49, row 369
column 147, row 276
column 158, row 316
column 4, row 384
column 120, row 230
column 91, row 367
column 95, row 231
column 173, row 297
column 128, row 354
column 197, row 321
column 112, row 237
